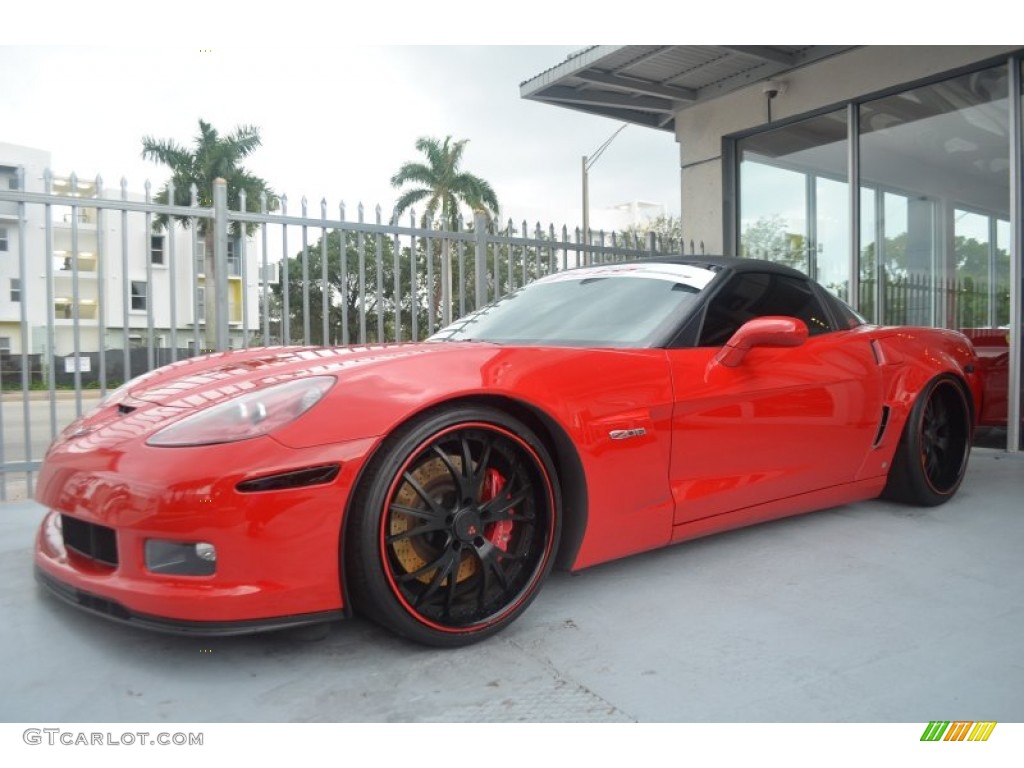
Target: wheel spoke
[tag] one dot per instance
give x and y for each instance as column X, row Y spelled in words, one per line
column 420, row 530
column 503, row 507
column 424, row 570
column 421, row 514
column 481, row 469
column 435, row 507
column 490, row 558
column 447, row 571
column 458, row 476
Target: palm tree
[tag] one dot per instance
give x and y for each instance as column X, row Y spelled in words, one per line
column 445, row 188
column 212, row 156
column 442, row 184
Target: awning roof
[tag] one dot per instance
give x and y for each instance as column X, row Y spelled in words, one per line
column 649, row 84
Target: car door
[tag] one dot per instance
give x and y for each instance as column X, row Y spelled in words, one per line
column 785, row 420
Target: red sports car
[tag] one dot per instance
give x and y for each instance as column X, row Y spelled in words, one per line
column 596, row 413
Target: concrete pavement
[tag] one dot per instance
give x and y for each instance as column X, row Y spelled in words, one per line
column 868, row 612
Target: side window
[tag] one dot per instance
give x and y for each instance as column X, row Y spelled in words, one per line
column 758, row 294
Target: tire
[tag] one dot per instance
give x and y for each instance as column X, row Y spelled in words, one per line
column 932, row 455
column 445, row 556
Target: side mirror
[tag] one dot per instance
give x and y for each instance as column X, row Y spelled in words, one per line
column 771, row 331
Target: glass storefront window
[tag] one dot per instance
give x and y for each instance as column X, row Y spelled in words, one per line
column 794, row 205
column 936, row 162
column 934, row 229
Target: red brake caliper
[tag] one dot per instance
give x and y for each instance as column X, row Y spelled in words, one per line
column 497, row 533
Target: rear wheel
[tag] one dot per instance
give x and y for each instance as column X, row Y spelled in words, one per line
column 455, row 527
column 931, row 458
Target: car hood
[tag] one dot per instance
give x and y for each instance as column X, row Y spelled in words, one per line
column 203, row 381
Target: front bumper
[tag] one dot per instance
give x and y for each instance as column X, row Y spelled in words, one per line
column 278, row 551
column 110, row 609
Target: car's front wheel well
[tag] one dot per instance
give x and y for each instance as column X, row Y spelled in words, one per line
column 567, row 463
column 568, row 467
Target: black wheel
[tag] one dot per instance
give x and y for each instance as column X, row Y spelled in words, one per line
column 454, row 527
column 931, row 458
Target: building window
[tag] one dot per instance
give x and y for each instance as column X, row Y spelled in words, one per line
column 5, row 345
column 15, row 289
column 3, row 239
column 139, row 295
column 234, row 258
column 156, row 249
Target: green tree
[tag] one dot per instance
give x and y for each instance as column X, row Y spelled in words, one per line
column 212, row 156
column 667, row 230
column 768, row 239
column 445, row 188
column 442, row 184
column 352, row 298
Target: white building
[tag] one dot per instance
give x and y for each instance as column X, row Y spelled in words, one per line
column 131, row 284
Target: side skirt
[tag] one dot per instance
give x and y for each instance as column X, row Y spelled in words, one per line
column 835, row 496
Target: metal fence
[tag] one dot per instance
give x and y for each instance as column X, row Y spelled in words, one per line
column 99, row 292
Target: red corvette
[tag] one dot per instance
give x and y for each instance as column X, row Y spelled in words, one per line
column 596, row 413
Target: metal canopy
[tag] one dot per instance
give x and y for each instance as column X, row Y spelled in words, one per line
column 650, row 84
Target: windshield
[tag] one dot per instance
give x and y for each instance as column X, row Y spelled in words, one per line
column 623, row 305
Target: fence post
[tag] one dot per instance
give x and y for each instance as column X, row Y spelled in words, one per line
column 220, row 261
column 479, row 223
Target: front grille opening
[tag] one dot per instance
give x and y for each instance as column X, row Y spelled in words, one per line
column 97, row 542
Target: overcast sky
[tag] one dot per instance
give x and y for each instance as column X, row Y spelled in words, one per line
column 338, row 119
column 336, row 122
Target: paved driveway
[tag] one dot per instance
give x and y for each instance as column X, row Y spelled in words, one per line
column 869, row 612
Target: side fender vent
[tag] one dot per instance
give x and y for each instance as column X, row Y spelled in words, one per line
column 882, row 424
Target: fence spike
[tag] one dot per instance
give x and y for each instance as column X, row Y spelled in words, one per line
column 701, row 247
column 323, row 207
column 263, row 201
column 284, row 205
column 48, row 180
column 99, row 185
column 304, row 206
column 243, row 199
column 148, row 186
column 361, row 212
column 341, row 210
column 194, row 193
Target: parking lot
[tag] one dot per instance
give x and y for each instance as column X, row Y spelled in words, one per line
column 864, row 613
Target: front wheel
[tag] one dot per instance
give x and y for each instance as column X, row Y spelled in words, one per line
column 455, row 527
column 931, row 458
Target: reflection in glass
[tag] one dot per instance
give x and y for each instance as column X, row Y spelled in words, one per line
column 794, row 205
column 935, row 182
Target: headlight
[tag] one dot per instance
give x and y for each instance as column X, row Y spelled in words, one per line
column 251, row 415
